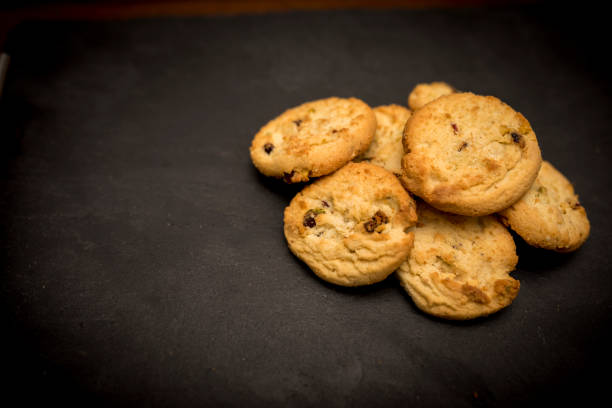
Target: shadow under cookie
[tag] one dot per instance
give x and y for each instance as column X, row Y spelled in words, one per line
column 478, row 321
column 538, row 260
column 278, row 186
column 358, row 291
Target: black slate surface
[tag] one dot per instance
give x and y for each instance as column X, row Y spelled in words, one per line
column 143, row 260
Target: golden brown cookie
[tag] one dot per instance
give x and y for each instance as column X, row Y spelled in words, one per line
column 422, row 94
column 386, row 149
column 351, row 227
column 549, row 215
column 469, row 154
column 459, row 266
column 313, row 139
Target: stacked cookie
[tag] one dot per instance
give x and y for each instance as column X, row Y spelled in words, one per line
column 474, row 166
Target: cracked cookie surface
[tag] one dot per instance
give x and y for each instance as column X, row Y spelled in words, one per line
column 424, row 93
column 352, row 227
column 549, row 215
column 469, row 154
column 313, row 139
column 386, row 149
column 459, row 266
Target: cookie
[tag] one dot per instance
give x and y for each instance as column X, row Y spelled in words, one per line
column 352, row 227
column 422, row 94
column 313, row 139
column 386, row 149
column 469, row 154
column 459, row 266
column 549, row 215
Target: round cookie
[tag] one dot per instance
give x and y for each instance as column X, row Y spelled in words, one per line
column 386, row 149
column 313, row 139
column 352, row 227
column 459, row 266
column 469, row 154
column 549, row 215
column 422, row 94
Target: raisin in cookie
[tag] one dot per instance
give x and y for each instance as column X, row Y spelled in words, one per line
column 351, row 227
column 313, row 139
column 459, row 266
column 469, row 154
column 386, row 149
column 422, row 94
column 549, row 215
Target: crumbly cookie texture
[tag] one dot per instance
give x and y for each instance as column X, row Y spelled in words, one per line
column 352, row 227
column 469, row 154
column 386, row 149
column 422, row 94
column 459, row 266
column 313, row 139
column 549, row 215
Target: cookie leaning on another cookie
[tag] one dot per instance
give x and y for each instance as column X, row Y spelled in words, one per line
column 313, row 139
column 549, row 215
column 459, row 266
column 422, row 94
column 469, row 154
column 351, row 227
column 386, row 149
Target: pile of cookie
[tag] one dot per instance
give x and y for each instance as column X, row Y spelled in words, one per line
column 425, row 192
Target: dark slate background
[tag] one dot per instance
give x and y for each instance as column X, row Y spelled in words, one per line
column 143, row 260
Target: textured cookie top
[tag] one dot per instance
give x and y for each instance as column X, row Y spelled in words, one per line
column 313, row 139
column 459, row 266
column 351, row 227
column 469, row 154
column 549, row 215
column 386, row 149
column 422, row 94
